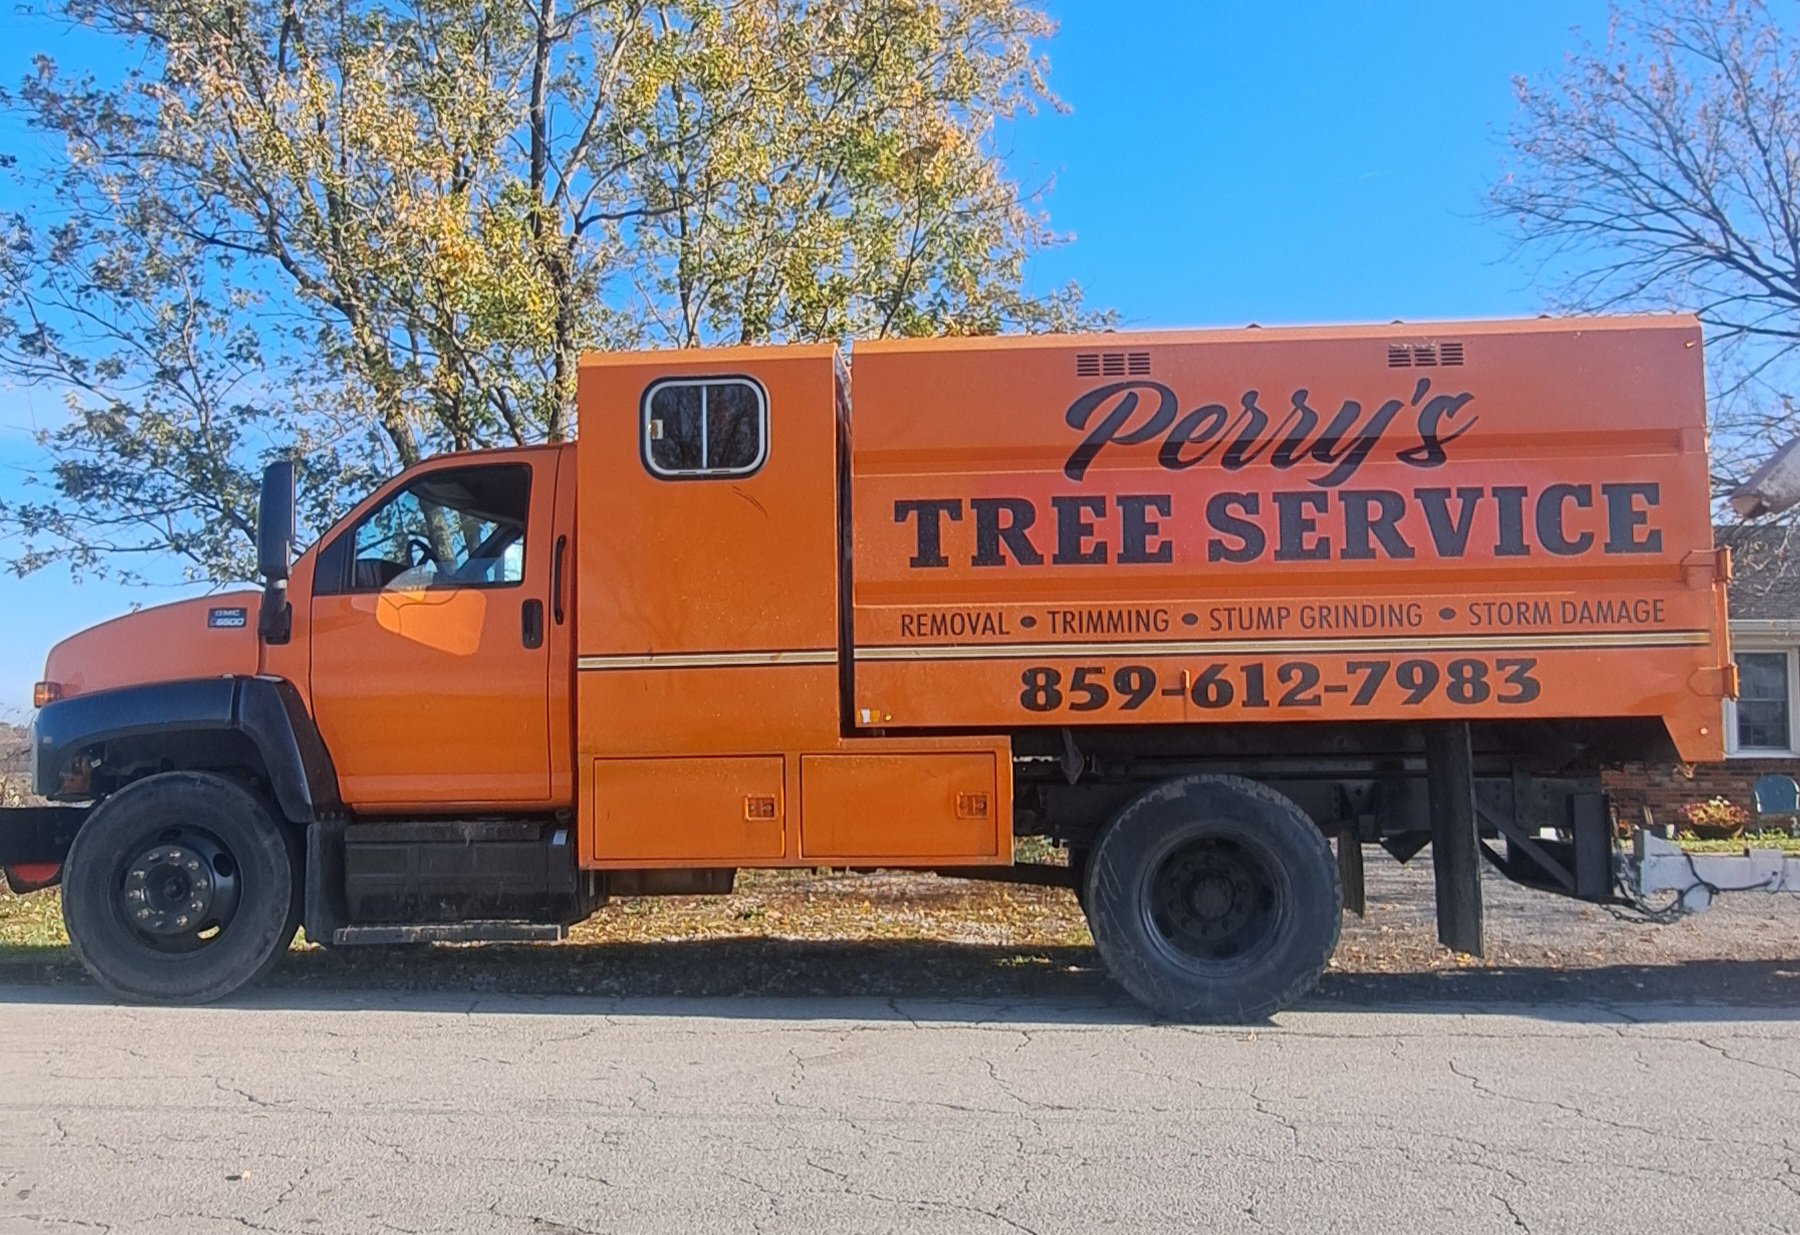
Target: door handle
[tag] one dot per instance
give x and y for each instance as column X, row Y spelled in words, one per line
column 556, row 579
column 531, row 623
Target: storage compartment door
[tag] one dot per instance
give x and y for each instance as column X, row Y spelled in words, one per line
column 702, row 811
column 903, row 809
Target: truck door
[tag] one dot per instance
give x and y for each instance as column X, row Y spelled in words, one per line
column 430, row 650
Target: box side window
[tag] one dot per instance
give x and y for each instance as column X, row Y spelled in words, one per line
column 705, row 427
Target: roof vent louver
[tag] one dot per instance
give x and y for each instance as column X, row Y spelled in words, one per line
column 1112, row 364
column 1424, row 355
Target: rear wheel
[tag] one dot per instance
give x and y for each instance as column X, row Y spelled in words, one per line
column 180, row 888
column 1213, row 898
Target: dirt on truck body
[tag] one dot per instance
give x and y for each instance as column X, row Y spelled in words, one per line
column 1194, row 605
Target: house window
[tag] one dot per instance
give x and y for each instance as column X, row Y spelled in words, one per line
column 1763, row 715
column 710, row 427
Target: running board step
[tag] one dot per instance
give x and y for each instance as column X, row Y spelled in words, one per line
column 450, row 932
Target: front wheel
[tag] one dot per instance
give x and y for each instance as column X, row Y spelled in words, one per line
column 180, row 888
column 1213, row 898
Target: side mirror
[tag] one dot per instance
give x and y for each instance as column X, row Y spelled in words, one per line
column 275, row 549
column 275, row 522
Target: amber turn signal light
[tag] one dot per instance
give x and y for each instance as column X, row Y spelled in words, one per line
column 45, row 692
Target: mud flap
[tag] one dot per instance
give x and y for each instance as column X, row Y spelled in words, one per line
column 1590, row 818
column 1350, row 872
column 325, row 910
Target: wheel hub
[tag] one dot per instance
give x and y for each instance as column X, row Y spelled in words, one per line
column 168, row 890
column 1211, row 897
column 1212, row 900
column 178, row 888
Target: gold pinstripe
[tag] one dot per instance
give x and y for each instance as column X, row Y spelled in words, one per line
column 709, row 660
column 1241, row 647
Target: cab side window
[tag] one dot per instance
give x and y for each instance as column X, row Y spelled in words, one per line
column 705, row 427
column 455, row 528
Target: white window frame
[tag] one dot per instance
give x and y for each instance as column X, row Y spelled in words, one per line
column 1732, row 749
column 762, row 426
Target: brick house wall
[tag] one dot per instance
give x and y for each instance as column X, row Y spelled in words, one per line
column 1666, row 787
column 1765, row 623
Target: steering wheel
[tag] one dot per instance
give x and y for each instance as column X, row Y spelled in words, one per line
column 425, row 553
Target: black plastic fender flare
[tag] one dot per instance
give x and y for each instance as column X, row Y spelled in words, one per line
column 267, row 710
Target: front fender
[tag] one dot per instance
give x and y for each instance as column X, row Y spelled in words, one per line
column 267, row 711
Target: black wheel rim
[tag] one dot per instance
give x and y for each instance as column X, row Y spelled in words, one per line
column 1214, row 902
column 179, row 891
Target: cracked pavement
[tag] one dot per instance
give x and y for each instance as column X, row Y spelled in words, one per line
column 311, row 1113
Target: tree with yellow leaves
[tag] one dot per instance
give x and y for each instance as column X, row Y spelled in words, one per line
column 375, row 231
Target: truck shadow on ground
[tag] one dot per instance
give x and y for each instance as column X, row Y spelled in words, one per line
column 778, row 978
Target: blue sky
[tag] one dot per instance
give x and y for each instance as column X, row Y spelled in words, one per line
column 1288, row 162
column 1297, row 161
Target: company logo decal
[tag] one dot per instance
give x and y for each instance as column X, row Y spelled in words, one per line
column 1134, row 413
column 1325, row 516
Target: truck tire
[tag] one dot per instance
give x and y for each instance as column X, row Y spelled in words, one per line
column 1213, row 898
column 180, row 888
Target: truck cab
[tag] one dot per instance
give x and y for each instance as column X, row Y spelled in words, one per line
column 415, row 645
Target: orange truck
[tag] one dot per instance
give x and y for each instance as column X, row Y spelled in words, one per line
column 1194, row 606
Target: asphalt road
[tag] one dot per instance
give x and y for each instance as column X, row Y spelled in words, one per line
column 309, row 1112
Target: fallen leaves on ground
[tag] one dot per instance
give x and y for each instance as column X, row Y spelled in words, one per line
column 895, row 933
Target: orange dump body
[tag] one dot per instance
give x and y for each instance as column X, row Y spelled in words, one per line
column 1476, row 522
